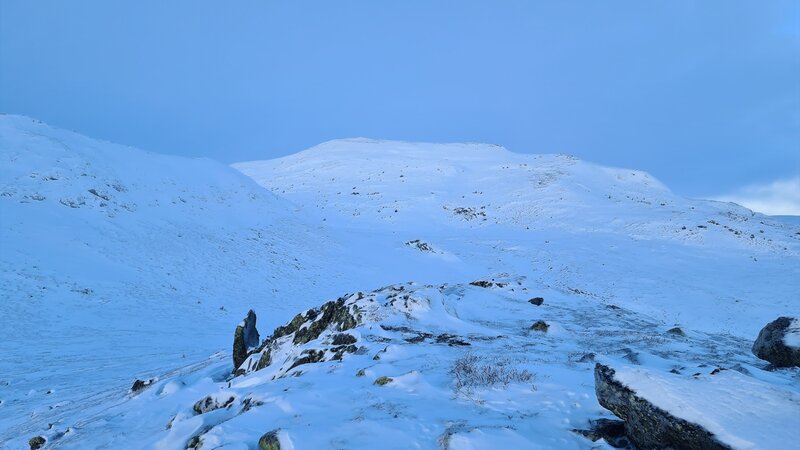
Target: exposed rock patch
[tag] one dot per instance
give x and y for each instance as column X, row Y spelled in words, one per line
column 541, row 326
column 537, row 301
column 140, row 385
column 488, row 284
column 676, row 331
column 210, row 403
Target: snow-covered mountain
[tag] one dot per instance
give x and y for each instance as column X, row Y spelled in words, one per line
column 121, row 264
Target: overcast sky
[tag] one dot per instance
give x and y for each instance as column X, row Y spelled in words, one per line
column 704, row 95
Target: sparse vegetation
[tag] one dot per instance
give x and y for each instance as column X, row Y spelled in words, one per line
column 471, row 371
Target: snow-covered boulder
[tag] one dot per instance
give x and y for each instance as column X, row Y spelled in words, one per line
column 245, row 338
column 779, row 342
column 647, row 425
column 723, row 409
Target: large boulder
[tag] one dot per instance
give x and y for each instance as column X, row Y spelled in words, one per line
column 647, row 425
column 779, row 342
column 245, row 338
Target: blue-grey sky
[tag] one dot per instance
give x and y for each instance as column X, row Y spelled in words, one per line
column 703, row 94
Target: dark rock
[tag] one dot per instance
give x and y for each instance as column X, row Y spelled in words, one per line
column 249, row 403
column 310, row 356
column 770, row 346
column 35, row 443
column 540, row 325
column 139, row 385
column 451, row 340
column 338, row 352
column 245, row 338
column 343, row 339
column 210, row 404
column 646, row 425
column 587, row 357
column 270, row 441
column 196, row 441
column 536, row 301
column 676, row 331
column 613, row 431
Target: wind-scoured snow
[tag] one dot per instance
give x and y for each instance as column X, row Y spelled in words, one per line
column 120, row 264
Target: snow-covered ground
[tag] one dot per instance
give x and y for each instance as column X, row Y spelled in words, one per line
column 118, row 263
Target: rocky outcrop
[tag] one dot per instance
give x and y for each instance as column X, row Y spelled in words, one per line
column 333, row 317
column 245, row 338
column 771, row 343
column 646, row 425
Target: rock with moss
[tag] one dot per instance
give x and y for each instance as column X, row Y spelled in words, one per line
column 245, row 338
column 35, row 443
column 384, row 380
column 332, row 315
column 541, row 326
column 343, row 339
column 270, row 441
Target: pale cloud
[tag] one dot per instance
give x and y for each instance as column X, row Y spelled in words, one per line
column 781, row 197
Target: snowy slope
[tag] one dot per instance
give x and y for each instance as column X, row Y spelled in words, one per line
column 453, row 367
column 609, row 234
column 117, row 263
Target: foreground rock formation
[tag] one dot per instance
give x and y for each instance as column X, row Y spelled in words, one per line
column 646, row 425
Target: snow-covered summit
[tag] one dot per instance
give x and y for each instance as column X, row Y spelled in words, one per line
column 405, row 185
column 396, row 182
